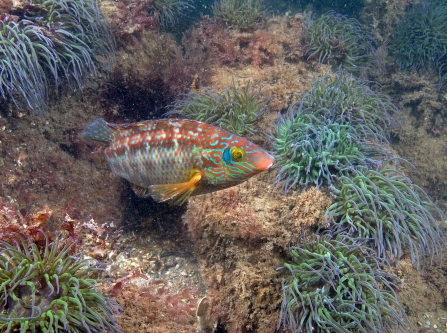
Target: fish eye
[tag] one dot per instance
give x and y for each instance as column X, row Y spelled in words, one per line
column 237, row 154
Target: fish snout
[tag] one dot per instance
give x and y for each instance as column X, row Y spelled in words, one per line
column 262, row 160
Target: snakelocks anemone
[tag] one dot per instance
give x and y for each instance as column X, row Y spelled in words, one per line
column 339, row 286
column 47, row 45
column 49, row 290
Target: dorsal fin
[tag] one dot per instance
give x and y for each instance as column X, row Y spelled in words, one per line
column 99, row 130
column 119, row 127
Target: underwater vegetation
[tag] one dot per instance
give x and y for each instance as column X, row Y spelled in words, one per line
column 49, row 290
column 340, row 41
column 168, row 11
column 134, row 17
column 420, row 39
column 50, row 44
column 350, row 101
column 338, row 124
column 235, row 110
column 387, row 208
column 338, row 285
column 239, row 14
column 311, row 149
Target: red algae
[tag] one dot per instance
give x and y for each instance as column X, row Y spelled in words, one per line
column 131, row 18
column 211, row 42
column 155, row 309
column 239, row 235
column 14, row 223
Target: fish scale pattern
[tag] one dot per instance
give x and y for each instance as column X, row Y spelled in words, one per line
column 193, row 156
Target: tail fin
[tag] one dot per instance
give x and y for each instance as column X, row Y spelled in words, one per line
column 99, row 130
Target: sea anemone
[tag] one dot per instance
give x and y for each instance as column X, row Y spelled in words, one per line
column 168, row 11
column 338, row 285
column 421, row 37
column 46, row 44
column 384, row 206
column 351, row 101
column 235, row 110
column 311, row 149
column 239, row 14
column 341, row 41
column 49, row 290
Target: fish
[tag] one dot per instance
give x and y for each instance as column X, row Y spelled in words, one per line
column 173, row 159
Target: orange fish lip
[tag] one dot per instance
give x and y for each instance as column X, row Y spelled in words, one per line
column 265, row 161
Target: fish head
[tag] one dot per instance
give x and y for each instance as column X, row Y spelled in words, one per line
column 233, row 161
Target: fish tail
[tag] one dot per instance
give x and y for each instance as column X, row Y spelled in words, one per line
column 99, row 130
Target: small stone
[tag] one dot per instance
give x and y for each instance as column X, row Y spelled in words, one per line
column 170, row 262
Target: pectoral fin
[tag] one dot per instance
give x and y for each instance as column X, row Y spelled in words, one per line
column 140, row 191
column 178, row 193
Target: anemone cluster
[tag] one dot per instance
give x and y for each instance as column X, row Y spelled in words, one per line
column 48, row 45
column 340, row 41
column 311, row 149
column 385, row 207
column 340, row 281
column 49, row 290
column 338, row 285
column 239, row 14
column 235, row 110
column 337, row 125
column 350, row 101
column 420, row 39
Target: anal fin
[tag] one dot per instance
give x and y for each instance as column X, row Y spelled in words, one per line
column 177, row 193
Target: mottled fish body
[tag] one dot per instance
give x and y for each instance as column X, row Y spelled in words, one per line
column 176, row 158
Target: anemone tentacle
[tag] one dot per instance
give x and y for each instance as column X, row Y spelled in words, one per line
column 50, row 290
column 386, row 207
column 338, row 285
column 235, row 109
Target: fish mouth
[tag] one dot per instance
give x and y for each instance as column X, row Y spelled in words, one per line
column 271, row 160
column 263, row 161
